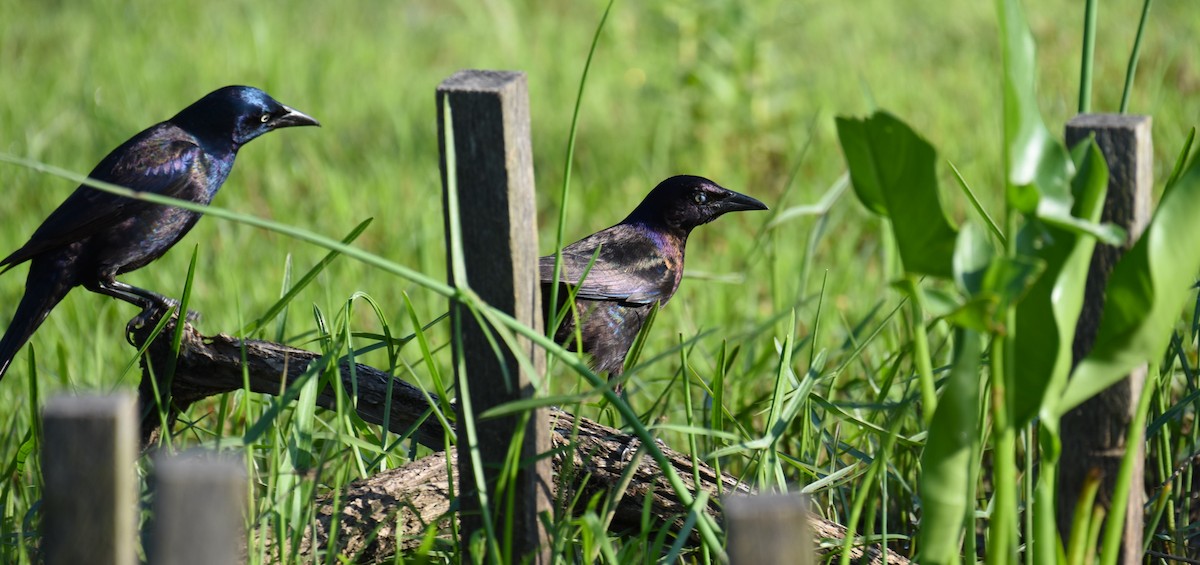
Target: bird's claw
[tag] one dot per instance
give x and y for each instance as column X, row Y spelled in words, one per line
column 152, row 314
column 145, row 318
column 137, row 323
column 631, row 447
column 628, row 450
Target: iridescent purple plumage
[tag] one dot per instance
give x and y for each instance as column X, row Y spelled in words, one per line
column 638, row 264
column 93, row 236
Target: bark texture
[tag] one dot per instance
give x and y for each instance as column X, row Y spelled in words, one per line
column 393, row 510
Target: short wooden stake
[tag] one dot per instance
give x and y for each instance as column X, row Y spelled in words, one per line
column 89, row 502
column 198, row 510
column 489, row 120
column 1093, row 434
column 768, row 528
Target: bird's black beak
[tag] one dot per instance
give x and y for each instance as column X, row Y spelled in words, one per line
column 737, row 202
column 293, row 118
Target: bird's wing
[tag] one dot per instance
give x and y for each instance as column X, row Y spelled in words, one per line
column 167, row 167
column 626, row 270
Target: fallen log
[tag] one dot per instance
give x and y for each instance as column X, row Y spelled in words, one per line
column 393, row 510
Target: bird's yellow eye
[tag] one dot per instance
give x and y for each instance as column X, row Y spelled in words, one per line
column 265, row 118
column 700, row 197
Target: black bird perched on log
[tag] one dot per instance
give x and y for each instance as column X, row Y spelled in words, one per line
column 93, row 236
column 639, row 265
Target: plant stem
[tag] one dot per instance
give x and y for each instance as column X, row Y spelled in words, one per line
column 1004, row 497
column 565, row 194
column 921, row 352
column 1042, row 547
column 1089, row 52
column 868, row 482
column 1131, row 70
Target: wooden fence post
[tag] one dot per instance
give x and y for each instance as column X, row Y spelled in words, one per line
column 198, row 510
column 89, row 503
column 1093, row 434
column 768, row 528
column 489, row 121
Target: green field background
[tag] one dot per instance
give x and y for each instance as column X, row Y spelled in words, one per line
column 744, row 93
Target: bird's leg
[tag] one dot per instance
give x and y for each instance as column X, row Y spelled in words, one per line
column 158, row 301
column 152, row 303
column 634, row 445
column 139, row 297
column 616, row 380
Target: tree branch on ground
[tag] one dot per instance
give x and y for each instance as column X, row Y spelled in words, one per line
column 394, row 509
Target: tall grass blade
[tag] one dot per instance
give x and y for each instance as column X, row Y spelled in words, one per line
column 1114, row 529
column 1134, row 54
column 467, row 426
column 569, row 159
column 1087, row 62
column 304, row 281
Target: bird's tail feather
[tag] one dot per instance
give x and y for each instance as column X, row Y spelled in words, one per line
column 42, row 294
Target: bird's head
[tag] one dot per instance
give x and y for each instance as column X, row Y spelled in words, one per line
column 238, row 114
column 684, row 202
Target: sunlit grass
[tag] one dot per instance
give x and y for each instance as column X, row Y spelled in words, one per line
column 743, row 93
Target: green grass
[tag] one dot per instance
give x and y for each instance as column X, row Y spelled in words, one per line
column 744, row 93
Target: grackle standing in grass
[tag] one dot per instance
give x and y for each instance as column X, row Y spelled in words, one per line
column 94, row 236
column 640, row 264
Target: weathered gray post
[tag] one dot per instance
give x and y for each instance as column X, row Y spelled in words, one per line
column 1093, row 434
column 198, row 511
column 89, row 502
column 489, row 121
column 768, row 528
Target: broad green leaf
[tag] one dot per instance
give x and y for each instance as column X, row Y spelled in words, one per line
column 978, row 314
column 972, row 257
column 1032, row 155
column 894, row 174
column 1023, row 198
column 939, row 302
column 1009, row 278
column 1111, row 234
column 990, row 282
column 1145, row 293
column 946, row 461
column 1038, row 165
column 1004, row 283
column 862, row 162
column 1046, row 317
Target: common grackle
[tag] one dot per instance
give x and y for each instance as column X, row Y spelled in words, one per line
column 639, row 264
column 93, row 236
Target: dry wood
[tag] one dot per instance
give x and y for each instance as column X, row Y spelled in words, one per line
column 1093, row 434
column 765, row 528
column 483, row 120
column 394, row 509
column 198, row 510
column 89, row 501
